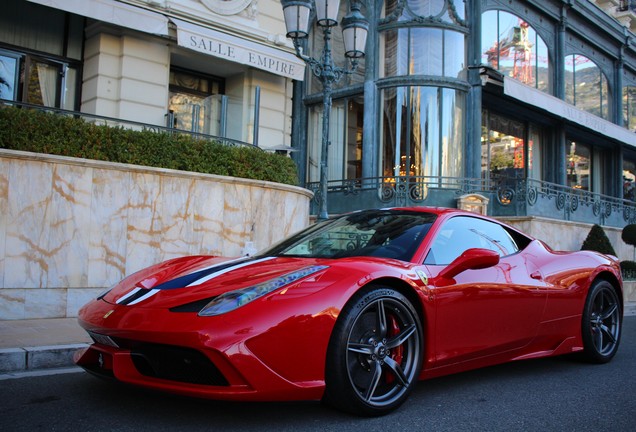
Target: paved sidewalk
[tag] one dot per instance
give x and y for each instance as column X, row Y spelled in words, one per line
column 32, row 345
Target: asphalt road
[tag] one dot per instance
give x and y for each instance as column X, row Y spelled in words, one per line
column 555, row 394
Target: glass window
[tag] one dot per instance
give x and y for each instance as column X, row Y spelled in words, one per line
column 579, row 158
column 514, row 48
column 378, row 233
column 195, row 102
column 424, row 51
column 421, row 131
column 345, row 137
column 535, row 166
column 503, row 146
column 462, row 233
column 43, row 83
column 629, row 108
column 586, row 86
column 38, row 80
column 629, row 178
column 8, row 76
column 69, row 91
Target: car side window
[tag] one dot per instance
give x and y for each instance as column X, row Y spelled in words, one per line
column 464, row 232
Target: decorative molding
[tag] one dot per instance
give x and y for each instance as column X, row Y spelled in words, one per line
column 226, row 7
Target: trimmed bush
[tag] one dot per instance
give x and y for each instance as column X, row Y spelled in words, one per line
column 628, row 265
column 41, row 132
column 597, row 241
column 628, row 235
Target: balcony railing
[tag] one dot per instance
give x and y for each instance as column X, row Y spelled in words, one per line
column 508, row 197
column 128, row 124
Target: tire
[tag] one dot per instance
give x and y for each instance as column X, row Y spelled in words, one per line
column 601, row 324
column 375, row 353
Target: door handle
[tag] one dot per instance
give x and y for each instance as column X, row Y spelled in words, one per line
column 536, row 275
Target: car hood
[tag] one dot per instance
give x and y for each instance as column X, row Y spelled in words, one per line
column 192, row 279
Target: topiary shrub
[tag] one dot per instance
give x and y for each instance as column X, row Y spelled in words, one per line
column 597, row 241
column 629, row 236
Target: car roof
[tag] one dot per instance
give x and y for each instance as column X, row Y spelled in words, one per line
column 448, row 212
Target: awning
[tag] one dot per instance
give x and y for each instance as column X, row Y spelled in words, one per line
column 113, row 12
column 560, row 108
column 238, row 50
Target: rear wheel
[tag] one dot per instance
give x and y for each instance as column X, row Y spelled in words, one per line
column 601, row 323
column 375, row 353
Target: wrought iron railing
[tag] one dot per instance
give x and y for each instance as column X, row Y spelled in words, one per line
column 128, row 124
column 628, row 275
column 508, row 197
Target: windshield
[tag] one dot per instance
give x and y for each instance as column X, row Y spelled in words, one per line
column 379, row 233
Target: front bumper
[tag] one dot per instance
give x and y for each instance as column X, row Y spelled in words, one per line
column 153, row 349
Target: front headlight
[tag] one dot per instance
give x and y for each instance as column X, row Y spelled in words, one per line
column 235, row 299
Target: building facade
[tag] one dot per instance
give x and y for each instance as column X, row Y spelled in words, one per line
column 214, row 67
column 529, row 104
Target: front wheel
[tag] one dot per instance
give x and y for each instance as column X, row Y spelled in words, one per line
column 601, row 323
column 375, row 353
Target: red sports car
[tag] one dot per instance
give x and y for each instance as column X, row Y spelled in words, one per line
column 355, row 310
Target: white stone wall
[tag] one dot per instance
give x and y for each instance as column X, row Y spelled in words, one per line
column 126, row 77
column 71, row 227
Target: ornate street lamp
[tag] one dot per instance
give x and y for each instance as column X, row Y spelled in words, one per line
column 354, row 31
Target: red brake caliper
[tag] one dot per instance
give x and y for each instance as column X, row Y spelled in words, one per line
column 397, row 353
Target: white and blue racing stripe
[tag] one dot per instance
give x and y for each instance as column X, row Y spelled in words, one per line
column 139, row 294
column 229, row 269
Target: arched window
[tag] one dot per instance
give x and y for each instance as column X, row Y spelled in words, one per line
column 629, row 108
column 513, row 47
column 586, row 86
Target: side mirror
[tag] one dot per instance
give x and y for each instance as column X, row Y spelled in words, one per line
column 471, row 259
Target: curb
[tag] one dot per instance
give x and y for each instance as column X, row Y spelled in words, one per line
column 37, row 358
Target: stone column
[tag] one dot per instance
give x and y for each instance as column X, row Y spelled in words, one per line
column 126, row 77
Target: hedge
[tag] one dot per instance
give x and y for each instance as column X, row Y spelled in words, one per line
column 41, row 132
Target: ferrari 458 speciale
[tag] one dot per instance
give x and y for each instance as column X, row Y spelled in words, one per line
column 355, row 310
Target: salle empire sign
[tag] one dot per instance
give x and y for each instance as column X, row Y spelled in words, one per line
column 244, row 52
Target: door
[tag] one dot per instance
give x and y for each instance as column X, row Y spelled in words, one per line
column 486, row 311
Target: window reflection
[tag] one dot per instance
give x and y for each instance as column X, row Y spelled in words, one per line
column 421, row 132
column 629, row 178
column 8, row 71
column 424, row 51
column 579, row 165
column 514, row 48
column 503, row 147
column 345, row 136
column 629, row 108
column 586, row 86
column 195, row 103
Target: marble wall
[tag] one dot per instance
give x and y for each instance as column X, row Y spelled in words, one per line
column 71, row 227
